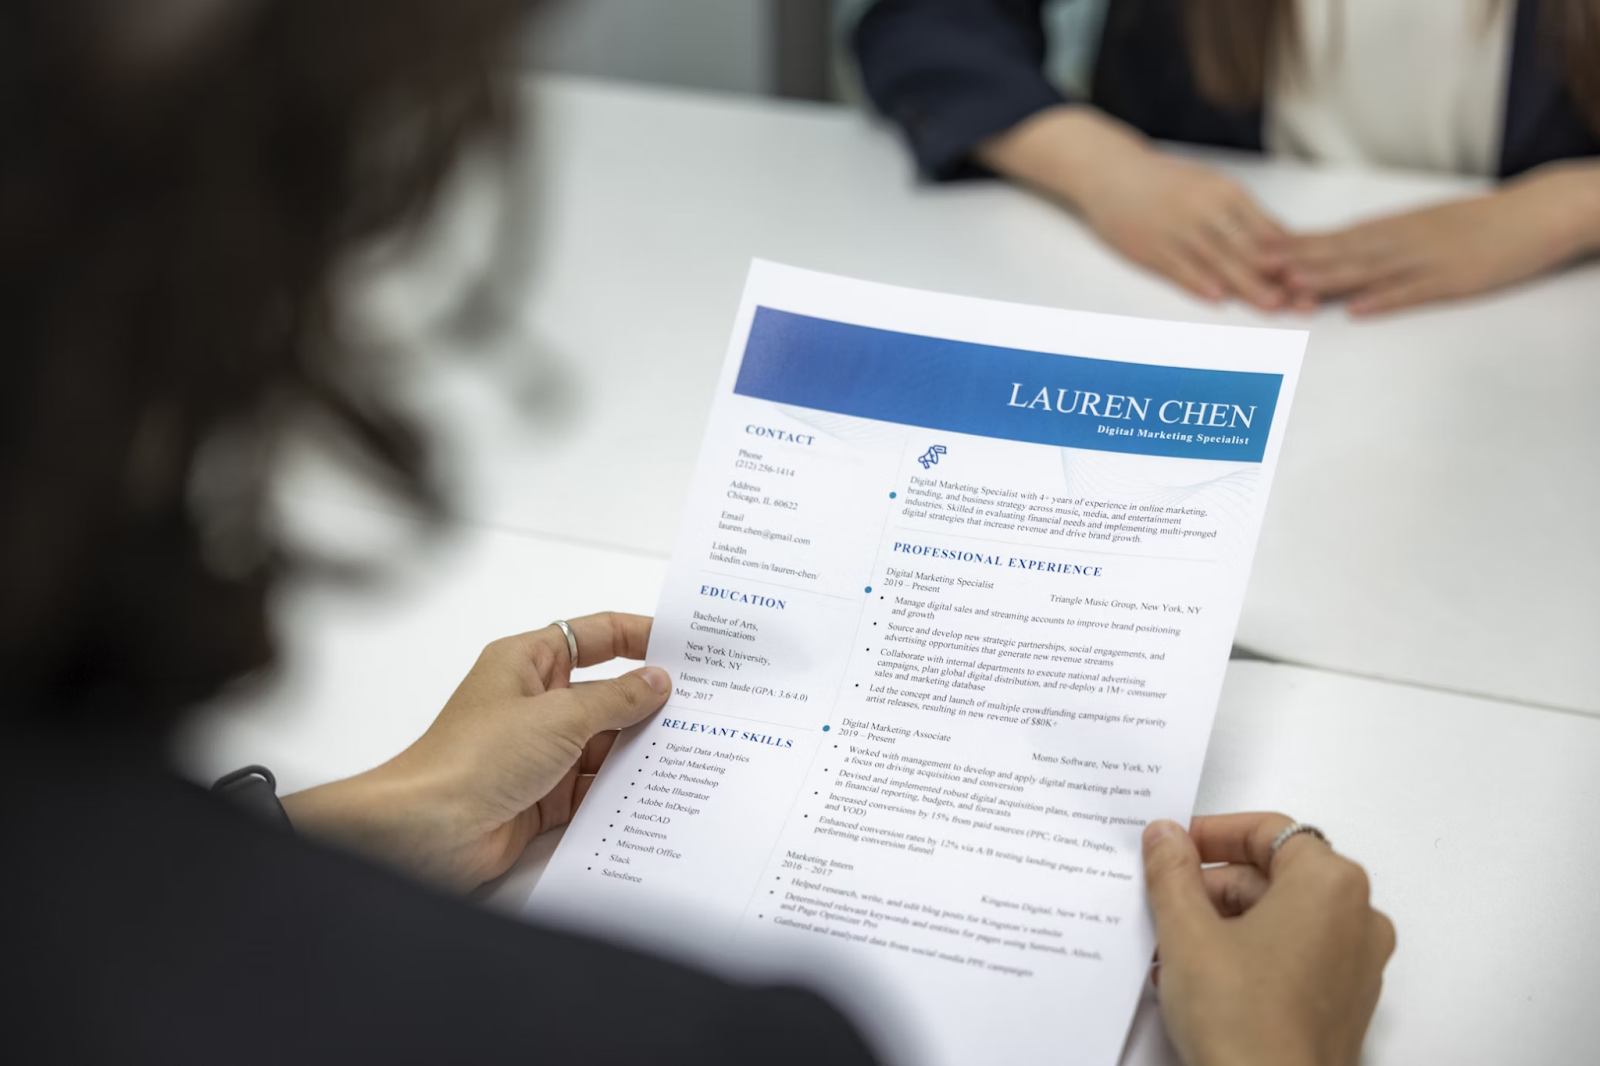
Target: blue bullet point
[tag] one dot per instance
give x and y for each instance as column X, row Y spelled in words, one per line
column 891, row 495
column 826, row 728
column 869, row 588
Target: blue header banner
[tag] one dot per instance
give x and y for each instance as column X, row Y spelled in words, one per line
column 1008, row 393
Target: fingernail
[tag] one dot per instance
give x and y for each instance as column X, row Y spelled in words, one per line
column 656, row 678
column 1158, row 831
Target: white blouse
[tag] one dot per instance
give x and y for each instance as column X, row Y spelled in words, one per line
column 1398, row 83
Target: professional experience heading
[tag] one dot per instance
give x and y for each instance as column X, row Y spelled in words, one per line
column 933, row 551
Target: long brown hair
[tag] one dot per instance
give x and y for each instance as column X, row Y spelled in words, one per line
column 174, row 205
column 1233, row 43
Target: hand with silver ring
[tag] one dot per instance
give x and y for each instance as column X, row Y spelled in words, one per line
column 1294, row 829
column 1270, row 950
column 572, row 642
column 511, row 755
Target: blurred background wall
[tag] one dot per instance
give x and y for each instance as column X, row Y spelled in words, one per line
column 791, row 48
column 771, row 47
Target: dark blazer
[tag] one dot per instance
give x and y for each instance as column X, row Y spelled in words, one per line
column 952, row 73
column 147, row 921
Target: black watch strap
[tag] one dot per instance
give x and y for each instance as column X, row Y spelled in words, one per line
column 255, row 790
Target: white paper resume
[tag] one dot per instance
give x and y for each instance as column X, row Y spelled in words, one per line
column 947, row 620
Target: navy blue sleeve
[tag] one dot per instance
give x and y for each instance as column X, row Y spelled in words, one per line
column 952, row 73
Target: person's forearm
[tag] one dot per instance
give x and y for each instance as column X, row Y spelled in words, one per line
column 1061, row 150
column 391, row 813
column 1556, row 212
column 1575, row 188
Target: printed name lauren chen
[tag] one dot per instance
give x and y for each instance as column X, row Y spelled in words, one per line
column 1172, row 412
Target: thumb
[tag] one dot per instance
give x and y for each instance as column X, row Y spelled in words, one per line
column 1172, row 878
column 592, row 707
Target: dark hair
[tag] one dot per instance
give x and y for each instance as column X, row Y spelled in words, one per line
column 1233, row 42
column 175, row 198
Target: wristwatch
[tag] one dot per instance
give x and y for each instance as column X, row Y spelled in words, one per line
column 253, row 789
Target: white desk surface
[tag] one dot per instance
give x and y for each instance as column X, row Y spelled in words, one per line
column 1478, row 820
column 1437, row 506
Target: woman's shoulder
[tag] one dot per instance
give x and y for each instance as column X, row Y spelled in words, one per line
column 135, row 896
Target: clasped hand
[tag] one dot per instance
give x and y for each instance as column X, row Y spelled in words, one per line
column 1202, row 229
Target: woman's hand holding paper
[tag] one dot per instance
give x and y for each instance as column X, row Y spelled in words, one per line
column 510, row 756
column 1268, row 958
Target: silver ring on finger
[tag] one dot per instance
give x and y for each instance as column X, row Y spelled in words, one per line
column 572, row 641
column 1292, row 830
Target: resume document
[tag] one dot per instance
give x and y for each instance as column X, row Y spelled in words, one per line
column 947, row 621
